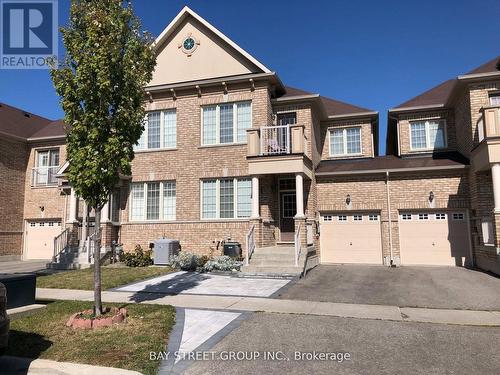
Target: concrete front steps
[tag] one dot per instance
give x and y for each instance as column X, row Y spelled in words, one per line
column 275, row 260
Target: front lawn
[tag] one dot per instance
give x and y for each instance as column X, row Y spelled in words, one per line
column 112, row 276
column 45, row 335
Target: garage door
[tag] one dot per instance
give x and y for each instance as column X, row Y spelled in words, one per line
column 351, row 238
column 40, row 238
column 439, row 238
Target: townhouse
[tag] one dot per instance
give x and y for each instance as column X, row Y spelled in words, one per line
column 230, row 152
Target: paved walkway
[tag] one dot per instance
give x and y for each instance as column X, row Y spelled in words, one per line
column 22, row 366
column 284, row 306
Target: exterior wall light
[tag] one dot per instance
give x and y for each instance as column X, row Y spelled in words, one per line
column 348, row 199
column 431, row 196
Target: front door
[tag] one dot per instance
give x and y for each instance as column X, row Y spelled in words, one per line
column 288, row 209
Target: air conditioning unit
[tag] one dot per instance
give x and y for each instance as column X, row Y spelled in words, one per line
column 164, row 249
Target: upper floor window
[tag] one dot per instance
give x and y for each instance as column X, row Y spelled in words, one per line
column 47, row 164
column 345, row 141
column 428, row 135
column 495, row 98
column 160, row 131
column 225, row 123
column 289, row 118
column 153, row 201
column 226, row 198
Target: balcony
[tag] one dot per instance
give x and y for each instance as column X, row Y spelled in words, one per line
column 44, row 176
column 488, row 149
column 277, row 149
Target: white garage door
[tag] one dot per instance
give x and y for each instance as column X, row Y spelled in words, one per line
column 438, row 238
column 351, row 238
column 39, row 240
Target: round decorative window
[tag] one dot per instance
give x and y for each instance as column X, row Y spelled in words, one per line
column 188, row 45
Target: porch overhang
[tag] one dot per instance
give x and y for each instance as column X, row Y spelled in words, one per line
column 273, row 164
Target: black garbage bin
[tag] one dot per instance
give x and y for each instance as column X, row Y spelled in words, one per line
column 232, row 249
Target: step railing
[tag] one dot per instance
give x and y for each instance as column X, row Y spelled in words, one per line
column 61, row 242
column 297, row 245
column 250, row 244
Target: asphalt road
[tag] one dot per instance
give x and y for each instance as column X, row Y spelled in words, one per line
column 433, row 287
column 375, row 347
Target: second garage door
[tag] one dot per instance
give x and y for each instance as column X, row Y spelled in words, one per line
column 439, row 238
column 351, row 238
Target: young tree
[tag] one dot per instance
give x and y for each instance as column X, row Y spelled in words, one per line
column 100, row 81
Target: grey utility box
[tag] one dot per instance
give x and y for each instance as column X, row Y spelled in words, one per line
column 164, row 250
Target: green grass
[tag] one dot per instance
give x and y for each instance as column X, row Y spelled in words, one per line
column 111, row 277
column 45, row 335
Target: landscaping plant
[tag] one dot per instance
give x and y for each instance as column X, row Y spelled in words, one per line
column 137, row 258
column 100, row 81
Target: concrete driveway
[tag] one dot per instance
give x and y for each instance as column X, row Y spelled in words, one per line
column 22, row 266
column 433, row 287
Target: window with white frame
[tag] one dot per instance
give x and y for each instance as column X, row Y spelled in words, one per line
column 440, row 216
column 458, row 216
column 327, row 218
column 47, row 164
column 160, row 131
column 423, row 216
column 495, row 98
column 228, row 198
column 225, row 123
column 153, row 201
column 345, row 141
column 428, row 135
column 357, row 217
column 406, row 217
column 487, row 229
column 342, row 218
column 373, row 217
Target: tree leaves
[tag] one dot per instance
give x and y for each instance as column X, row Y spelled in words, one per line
column 109, row 60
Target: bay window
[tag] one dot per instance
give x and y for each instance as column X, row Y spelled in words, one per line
column 345, row 141
column 228, row 198
column 153, row 201
column 225, row 123
column 428, row 135
column 160, row 131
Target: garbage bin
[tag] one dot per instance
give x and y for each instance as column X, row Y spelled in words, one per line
column 232, row 249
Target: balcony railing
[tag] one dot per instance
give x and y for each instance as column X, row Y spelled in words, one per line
column 275, row 140
column 490, row 123
column 44, row 176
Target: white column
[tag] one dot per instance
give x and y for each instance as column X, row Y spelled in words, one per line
column 73, row 207
column 105, row 212
column 495, row 176
column 299, row 195
column 255, row 198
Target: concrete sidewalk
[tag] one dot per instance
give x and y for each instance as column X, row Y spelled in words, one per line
column 283, row 306
column 22, row 366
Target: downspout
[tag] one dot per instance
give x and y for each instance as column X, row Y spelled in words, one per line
column 391, row 261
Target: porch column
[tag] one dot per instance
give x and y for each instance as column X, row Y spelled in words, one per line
column 495, row 176
column 255, row 198
column 105, row 212
column 73, row 207
column 299, row 195
column 85, row 222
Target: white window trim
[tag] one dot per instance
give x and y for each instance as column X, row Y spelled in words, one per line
column 162, row 132
column 427, row 141
column 217, row 123
column 344, row 140
column 217, row 199
column 145, row 202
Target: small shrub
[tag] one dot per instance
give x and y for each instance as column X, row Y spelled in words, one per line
column 222, row 263
column 186, row 261
column 137, row 258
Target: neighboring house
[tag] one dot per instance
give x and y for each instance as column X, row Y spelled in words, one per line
column 229, row 151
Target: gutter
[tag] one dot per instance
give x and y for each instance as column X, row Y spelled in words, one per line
column 57, row 137
column 417, row 108
column 392, row 170
column 359, row 114
column 478, row 75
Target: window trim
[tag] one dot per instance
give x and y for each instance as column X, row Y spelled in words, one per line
column 217, row 123
column 217, row 199
column 145, row 198
column 344, row 140
column 426, row 123
column 162, row 132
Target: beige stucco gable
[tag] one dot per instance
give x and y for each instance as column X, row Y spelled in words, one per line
column 213, row 56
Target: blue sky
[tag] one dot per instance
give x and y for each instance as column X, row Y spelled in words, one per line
column 375, row 54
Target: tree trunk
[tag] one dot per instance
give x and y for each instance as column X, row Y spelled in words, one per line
column 97, row 264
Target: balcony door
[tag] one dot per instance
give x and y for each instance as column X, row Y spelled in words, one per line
column 284, row 119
